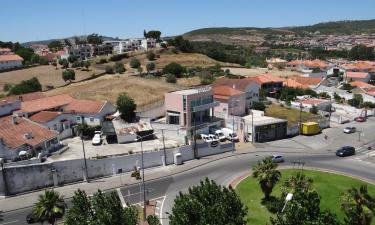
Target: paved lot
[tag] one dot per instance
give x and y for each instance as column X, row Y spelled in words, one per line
column 75, row 148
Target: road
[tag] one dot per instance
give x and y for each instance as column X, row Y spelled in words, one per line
column 225, row 170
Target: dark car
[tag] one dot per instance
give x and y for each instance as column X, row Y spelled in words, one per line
column 360, row 119
column 345, row 151
column 30, row 218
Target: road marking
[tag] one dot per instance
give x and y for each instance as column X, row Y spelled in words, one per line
column 161, row 210
column 122, row 200
column 15, row 221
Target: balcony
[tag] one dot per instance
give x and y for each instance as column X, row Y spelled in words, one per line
column 205, row 106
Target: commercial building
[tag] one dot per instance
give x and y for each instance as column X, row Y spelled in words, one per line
column 191, row 107
column 9, row 60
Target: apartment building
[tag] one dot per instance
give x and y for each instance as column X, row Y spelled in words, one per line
column 9, row 60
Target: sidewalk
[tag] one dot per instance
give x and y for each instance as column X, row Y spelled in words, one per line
column 120, row 180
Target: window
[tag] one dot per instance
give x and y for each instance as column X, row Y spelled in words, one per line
column 78, row 118
column 55, row 126
column 91, row 119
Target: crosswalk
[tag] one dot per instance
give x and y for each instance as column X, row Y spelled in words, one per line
column 365, row 152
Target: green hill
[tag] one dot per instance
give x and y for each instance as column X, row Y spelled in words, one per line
column 339, row 27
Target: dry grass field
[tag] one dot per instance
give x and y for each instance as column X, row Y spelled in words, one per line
column 47, row 75
column 254, row 72
column 144, row 91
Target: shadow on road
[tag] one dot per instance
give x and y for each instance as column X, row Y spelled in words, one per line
column 1, row 216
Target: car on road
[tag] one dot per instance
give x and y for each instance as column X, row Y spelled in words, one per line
column 97, row 139
column 345, row 151
column 360, row 119
column 220, row 135
column 30, row 218
column 206, row 138
column 349, row 130
column 278, row 158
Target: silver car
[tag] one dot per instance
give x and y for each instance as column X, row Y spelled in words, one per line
column 349, row 130
column 278, row 158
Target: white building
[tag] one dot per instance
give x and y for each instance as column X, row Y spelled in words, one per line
column 148, row 43
column 9, row 60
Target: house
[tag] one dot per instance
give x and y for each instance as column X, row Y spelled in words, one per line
column 51, row 103
column 307, row 65
column 360, row 84
column 13, row 103
column 20, row 134
column 130, row 132
column 357, row 76
column 88, row 111
column 231, row 101
column 302, row 82
column 191, row 107
column 276, row 63
column 148, row 43
column 56, row 121
column 248, row 86
column 359, row 66
column 268, row 82
column 9, row 60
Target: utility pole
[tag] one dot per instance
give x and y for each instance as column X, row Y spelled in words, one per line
column 143, row 183
column 165, row 153
column 84, row 157
column 300, row 118
column 252, row 126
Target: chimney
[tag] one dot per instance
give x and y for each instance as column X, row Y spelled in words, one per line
column 28, row 135
column 14, row 119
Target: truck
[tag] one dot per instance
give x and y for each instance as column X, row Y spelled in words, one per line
column 229, row 134
column 310, row 128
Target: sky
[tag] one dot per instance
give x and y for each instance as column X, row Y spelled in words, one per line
column 33, row 20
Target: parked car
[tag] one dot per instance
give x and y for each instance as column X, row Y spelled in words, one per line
column 205, row 138
column 360, row 119
column 229, row 134
column 345, row 151
column 349, row 130
column 213, row 137
column 278, row 158
column 220, row 135
column 97, row 139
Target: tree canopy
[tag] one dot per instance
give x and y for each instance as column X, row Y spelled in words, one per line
column 208, row 203
column 94, row 39
column 126, row 106
column 55, row 45
column 50, row 207
column 135, row 63
column 174, row 68
column 26, row 86
column 361, row 52
column 68, row 75
column 155, row 34
column 267, row 174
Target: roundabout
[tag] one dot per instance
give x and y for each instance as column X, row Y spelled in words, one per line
column 330, row 187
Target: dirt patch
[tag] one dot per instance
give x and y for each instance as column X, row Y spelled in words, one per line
column 254, row 72
column 47, row 75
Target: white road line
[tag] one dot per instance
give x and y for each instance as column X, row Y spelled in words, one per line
column 161, row 210
column 15, row 221
column 123, row 203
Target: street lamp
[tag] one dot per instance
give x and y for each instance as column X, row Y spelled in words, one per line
column 84, row 157
column 288, row 198
column 234, row 104
column 300, row 118
column 143, row 173
column 252, row 126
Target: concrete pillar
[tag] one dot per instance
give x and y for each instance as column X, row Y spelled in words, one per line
column 54, row 176
column 2, row 184
column 163, row 160
column 84, row 174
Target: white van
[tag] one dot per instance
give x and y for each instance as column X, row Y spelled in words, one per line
column 206, row 138
column 229, row 134
column 219, row 134
column 213, row 137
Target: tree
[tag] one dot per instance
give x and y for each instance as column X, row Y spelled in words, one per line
column 208, row 203
column 135, row 63
column 170, row 78
column 304, row 208
column 356, row 100
column 26, row 86
column 267, row 174
column 155, row 34
column 206, row 77
column 102, row 208
column 358, row 206
column 67, row 42
column 94, row 39
column 68, row 75
column 7, row 87
column 258, row 106
column 153, row 220
column 65, row 64
column 25, row 53
column 119, row 67
column 151, row 56
column 361, row 52
column 314, row 109
column 72, row 59
column 126, row 106
column 86, row 64
column 108, row 69
column 34, row 59
column 50, row 207
column 55, row 46
column 150, row 66
column 174, row 68
column 140, row 70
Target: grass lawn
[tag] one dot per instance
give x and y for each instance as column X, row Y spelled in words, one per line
column 290, row 114
column 329, row 186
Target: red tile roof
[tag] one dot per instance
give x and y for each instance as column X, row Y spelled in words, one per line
column 13, row 135
column 356, row 74
column 310, row 63
column 10, row 57
column 5, row 50
column 44, row 116
column 360, row 84
column 26, row 97
column 313, row 101
column 294, row 84
column 266, row 78
column 46, row 103
column 84, row 106
column 358, row 66
column 226, row 91
column 239, row 84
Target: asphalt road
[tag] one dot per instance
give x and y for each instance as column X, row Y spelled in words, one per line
column 225, row 170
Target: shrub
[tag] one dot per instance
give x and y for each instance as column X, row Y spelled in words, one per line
column 314, row 109
column 109, row 69
column 76, row 64
column 150, row 66
column 135, row 63
column 68, row 75
column 118, row 57
column 174, row 68
column 119, row 67
column 170, row 78
column 151, row 56
column 26, row 86
column 258, row 106
column 7, row 87
column 126, row 106
column 102, row 61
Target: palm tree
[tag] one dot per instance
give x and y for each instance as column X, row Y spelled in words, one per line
column 267, row 174
column 358, row 206
column 50, row 207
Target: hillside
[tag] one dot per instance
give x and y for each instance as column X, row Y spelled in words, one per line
column 339, row 27
column 46, row 42
column 256, row 36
